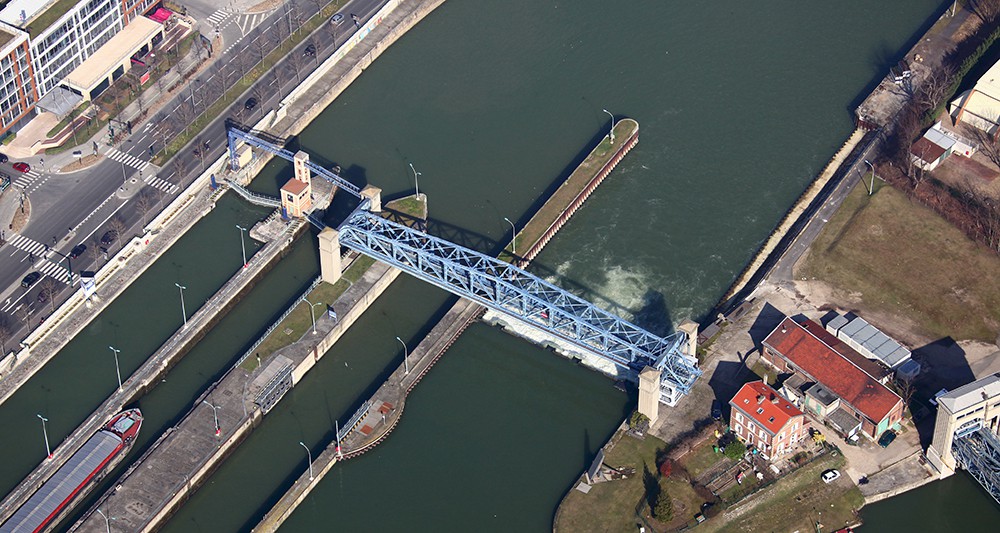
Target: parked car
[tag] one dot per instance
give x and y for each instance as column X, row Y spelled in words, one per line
column 31, row 279
column 109, row 237
column 4, row 158
column 310, row 50
column 43, row 296
column 887, row 438
column 337, row 19
column 716, row 410
column 21, row 166
column 250, row 104
column 830, row 475
column 77, row 250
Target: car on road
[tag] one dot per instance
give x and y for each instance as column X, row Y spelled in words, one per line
column 109, row 237
column 887, row 438
column 43, row 296
column 31, row 279
column 716, row 410
column 250, row 104
column 21, row 166
column 310, row 50
column 77, row 250
column 830, row 475
column 4, row 158
column 337, row 19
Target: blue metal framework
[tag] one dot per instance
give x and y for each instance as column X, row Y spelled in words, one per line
column 516, row 293
column 978, row 452
column 234, row 134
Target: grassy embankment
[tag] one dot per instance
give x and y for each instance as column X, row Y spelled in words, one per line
column 299, row 321
column 905, row 260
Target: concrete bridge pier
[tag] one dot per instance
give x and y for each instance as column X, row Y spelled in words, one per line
column 329, row 255
column 374, row 195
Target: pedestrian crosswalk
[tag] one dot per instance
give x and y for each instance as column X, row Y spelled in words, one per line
column 247, row 23
column 127, row 159
column 25, row 179
column 55, row 271
column 216, row 19
column 28, row 245
column 161, row 184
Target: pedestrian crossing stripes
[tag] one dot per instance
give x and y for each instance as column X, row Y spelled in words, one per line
column 28, row 245
column 161, row 184
column 56, row 271
column 216, row 19
column 33, row 173
column 23, row 181
column 127, row 159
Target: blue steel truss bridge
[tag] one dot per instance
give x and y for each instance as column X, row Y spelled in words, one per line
column 497, row 285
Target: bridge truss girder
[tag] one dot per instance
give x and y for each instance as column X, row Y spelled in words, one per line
column 978, row 453
column 233, row 134
column 520, row 295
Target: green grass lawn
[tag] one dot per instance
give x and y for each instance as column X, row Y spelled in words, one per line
column 796, row 502
column 409, row 206
column 905, row 260
column 702, row 458
column 611, row 506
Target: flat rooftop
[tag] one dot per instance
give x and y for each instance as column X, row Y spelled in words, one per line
column 971, row 394
column 35, row 16
column 109, row 56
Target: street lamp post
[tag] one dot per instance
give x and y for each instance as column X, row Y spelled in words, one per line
column 406, row 353
column 242, row 245
column 215, row 413
column 312, row 312
column 124, row 177
column 872, row 188
column 416, row 181
column 513, row 236
column 45, row 435
column 612, row 134
column 183, row 310
column 309, row 457
column 116, row 351
column 107, row 521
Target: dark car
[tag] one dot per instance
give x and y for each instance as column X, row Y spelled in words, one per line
column 4, row 158
column 337, row 19
column 21, row 166
column 716, row 410
column 43, row 296
column 887, row 438
column 30, row 279
column 250, row 104
column 77, row 251
column 310, row 50
column 109, row 237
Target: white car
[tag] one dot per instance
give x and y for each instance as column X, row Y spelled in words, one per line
column 830, row 475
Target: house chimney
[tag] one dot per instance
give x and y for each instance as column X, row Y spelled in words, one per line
column 774, row 399
column 760, row 399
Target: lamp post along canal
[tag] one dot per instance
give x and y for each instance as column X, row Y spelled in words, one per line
column 215, row 413
column 118, row 370
column 871, row 189
column 416, row 181
column 312, row 312
column 309, row 458
column 242, row 245
column 183, row 310
column 107, row 521
column 406, row 354
column 612, row 132
column 513, row 236
column 45, row 435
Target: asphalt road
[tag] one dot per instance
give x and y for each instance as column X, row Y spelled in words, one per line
column 70, row 209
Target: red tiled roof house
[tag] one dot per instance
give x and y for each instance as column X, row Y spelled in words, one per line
column 859, row 403
column 761, row 417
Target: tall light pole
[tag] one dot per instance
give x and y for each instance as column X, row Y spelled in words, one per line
column 45, row 434
column 416, row 181
column 872, row 188
column 183, row 311
column 243, row 246
column 513, row 236
column 612, row 134
column 215, row 413
column 118, row 370
column 406, row 353
column 124, row 177
column 107, row 521
column 312, row 313
column 309, row 457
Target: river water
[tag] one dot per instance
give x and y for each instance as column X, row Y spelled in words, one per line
column 740, row 105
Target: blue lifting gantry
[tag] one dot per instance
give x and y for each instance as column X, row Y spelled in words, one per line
column 501, row 286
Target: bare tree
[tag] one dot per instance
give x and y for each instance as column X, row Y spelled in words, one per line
column 6, row 333
column 297, row 62
column 179, row 164
column 24, row 315
column 144, row 203
column 986, row 10
column 117, row 225
column 49, row 288
column 917, row 167
column 934, row 89
column 905, row 131
column 95, row 248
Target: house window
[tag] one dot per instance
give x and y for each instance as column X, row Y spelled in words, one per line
column 762, row 433
column 771, row 419
column 760, row 410
column 781, row 435
column 739, row 417
column 739, row 429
